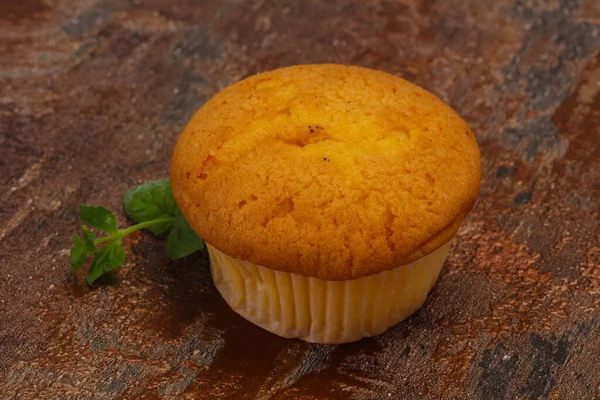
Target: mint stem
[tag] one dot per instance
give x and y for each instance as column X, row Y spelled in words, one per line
column 124, row 232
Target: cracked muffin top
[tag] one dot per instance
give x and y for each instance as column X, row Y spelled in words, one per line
column 329, row 171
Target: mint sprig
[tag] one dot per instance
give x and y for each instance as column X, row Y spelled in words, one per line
column 154, row 209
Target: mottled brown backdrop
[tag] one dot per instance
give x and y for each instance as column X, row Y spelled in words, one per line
column 93, row 94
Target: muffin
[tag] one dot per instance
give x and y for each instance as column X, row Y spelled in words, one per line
column 328, row 196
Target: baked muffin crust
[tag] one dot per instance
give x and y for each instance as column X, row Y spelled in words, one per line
column 329, row 171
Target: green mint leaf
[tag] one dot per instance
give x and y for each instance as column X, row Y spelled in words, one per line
column 78, row 253
column 88, row 240
column 81, row 249
column 98, row 217
column 182, row 239
column 109, row 258
column 150, row 201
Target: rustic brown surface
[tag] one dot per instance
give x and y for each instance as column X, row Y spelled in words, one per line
column 92, row 97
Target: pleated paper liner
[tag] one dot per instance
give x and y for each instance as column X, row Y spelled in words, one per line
column 316, row 310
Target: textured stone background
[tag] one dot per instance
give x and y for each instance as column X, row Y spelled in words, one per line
column 92, row 96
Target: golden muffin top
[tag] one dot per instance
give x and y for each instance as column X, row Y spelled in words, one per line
column 329, row 171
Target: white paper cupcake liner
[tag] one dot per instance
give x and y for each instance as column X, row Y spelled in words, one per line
column 316, row 310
